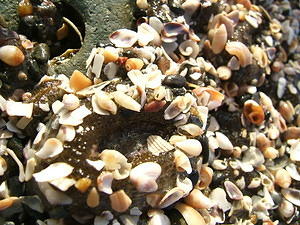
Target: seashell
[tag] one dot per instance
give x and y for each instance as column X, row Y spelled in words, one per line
column 144, row 176
column 75, row 117
column 190, row 215
column 116, row 162
column 102, row 103
column 214, row 100
column 147, row 34
column 262, row 142
column 241, row 51
column 218, row 197
column 123, row 38
column 191, row 130
column 7, row 202
column 283, row 178
column 219, row 164
column 271, row 153
column 260, row 55
column 97, row 64
column 231, row 89
column 224, row 72
column 292, row 195
column 292, row 133
column 157, row 217
column 178, row 105
column 3, row 166
column 157, row 145
column 25, row 8
column 206, row 175
column 104, row 182
column 287, row 110
column 11, row 55
column 19, row 109
column 186, row 185
column 154, row 106
column 62, row 32
column 83, row 184
column 51, row 148
column 63, row 184
column 255, row 183
column 223, row 142
column 189, row 48
column 198, row 200
column 134, row 64
column 110, row 70
column 190, row 6
column 142, row 4
column 233, row 191
column 253, row 112
column 120, row 201
column 171, row 197
column 281, row 87
column 246, row 3
column 110, row 54
column 93, row 198
column 79, row 81
column 219, row 39
column 126, row 101
column 173, row 29
column 54, row 171
column 233, row 63
column 156, row 23
column 98, row 164
column 70, row 102
column 66, row 133
column 291, row 168
column 30, row 167
column 192, row 147
column 53, row 196
column 286, row 209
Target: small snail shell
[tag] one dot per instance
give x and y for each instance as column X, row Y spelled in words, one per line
column 253, row 112
column 11, row 55
column 134, row 64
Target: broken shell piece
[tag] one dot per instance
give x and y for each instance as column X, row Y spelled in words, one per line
column 192, row 147
column 53, row 196
column 117, row 163
column 182, row 162
column 75, row 117
column 19, row 109
column 11, row 55
column 291, row 168
column 144, row 176
column 156, row 145
column 54, row 171
column 104, row 182
column 178, row 105
column 224, row 72
column 223, row 142
column 142, row 4
column 51, row 148
column 186, row 185
column 171, row 197
column 286, row 209
column 66, row 133
column 110, row 54
column 233, row 191
column 83, row 184
column 126, row 101
column 219, row 39
column 253, row 112
column 218, row 197
column 241, row 51
column 120, row 201
column 191, row 130
column 209, row 97
column 79, row 81
column 123, row 38
column 206, row 175
column 190, row 215
column 287, row 110
column 30, row 167
column 93, row 198
column 98, row 164
column 157, row 217
column 292, row 195
column 63, row 184
column 147, row 34
column 134, row 64
column 283, row 178
column 7, row 202
column 70, row 102
column 198, row 200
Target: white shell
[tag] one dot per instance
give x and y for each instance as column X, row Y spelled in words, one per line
column 147, row 34
column 30, row 166
column 75, row 118
column 70, row 102
column 63, row 183
column 98, row 164
column 53, row 196
column 182, row 162
column 126, row 101
column 144, row 176
column 51, row 148
column 218, row 197
column 292, row 170
column 233, row 191
column 104, row 182
column 158, row 218
column 123, row 38
column 171, row 197
column 157, row 145
column 66, row 133
column 19, row 109
column 223, row 142
column 54, row 171
column 192, row 147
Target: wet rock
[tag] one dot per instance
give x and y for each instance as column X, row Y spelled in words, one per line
column 174, row 81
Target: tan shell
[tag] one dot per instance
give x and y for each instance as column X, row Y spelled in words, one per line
column 206, row 174
column 198, row 200
column 283, row 178
column 11, row 55
column 182, row 162
column 191, row 216
column 79, row 81
column 51, row 148
column 134, row 64
column 83, row 184
column 219, row 39
column 241, row 51
column 171, row 197
column 126, row 101
column 120, row 201
column 93, row 198
column 192, row 147
column 156, row 145
column 7, row 202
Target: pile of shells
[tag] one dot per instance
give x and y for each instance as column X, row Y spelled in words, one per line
column 171, row 120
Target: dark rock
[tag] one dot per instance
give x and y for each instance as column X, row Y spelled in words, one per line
column 174, row 81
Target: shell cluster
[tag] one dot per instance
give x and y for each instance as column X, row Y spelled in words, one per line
column 196, row 112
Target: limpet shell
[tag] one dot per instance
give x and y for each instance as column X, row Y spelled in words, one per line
column 120, row 201
column 123, row 38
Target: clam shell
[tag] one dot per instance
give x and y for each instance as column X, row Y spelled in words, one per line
column 218, row 197
column 190, row 129
column 223, row 142
column 120, row 201
column 233, row 191
column 182, row 162
column 292, row 195
column 291, row 168
column 157, row 145
column 171, row 197
column 192, row 147
column 104, row 182
column 93, row 198
column 66, row 133
column 53, row 196
column 53, row 172
column 123, row 38
column 198, row 200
